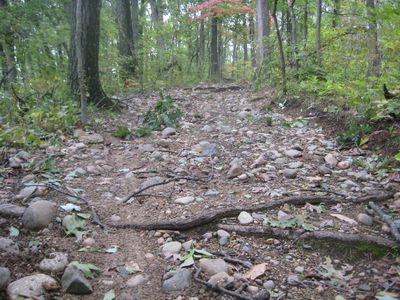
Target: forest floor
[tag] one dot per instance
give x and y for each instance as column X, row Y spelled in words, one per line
column 299, row 196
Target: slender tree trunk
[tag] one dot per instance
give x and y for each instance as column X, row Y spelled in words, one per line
column 80, row 60
column 305, row 26
column 262, row 30
column 293, row 35
column 89, row 18
column 214, row 70
column 374, row 61
column 318, row 32
column 157, row 20
column 8, row 48
column 202, row 43
column 336, row 11
column 125, row 38
column 135, row 21
column 245, row 42
column 281, row 53
column 252, row 41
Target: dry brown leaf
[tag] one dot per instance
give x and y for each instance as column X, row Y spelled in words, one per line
column 344, row 218
column 256, row 271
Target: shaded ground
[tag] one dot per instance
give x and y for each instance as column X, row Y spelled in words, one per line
column 278, row 157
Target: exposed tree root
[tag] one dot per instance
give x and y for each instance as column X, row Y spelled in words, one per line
column 208, row 217
column 394, row 225
column 317, row 235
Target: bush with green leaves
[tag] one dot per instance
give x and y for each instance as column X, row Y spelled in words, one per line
column 166, row 113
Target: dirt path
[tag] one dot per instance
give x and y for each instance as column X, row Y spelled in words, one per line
column 240, row 154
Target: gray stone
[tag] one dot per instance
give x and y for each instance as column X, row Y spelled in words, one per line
column 324, row 170
column 181, row 280
column 206, row 149
column 5, row 275
column 221, row 279
column 207, row 129
column 185, row 200
column 261, row 160
column 273, row 154
column 364, row 287
column 282, row 216
column 157, row 155
column 245, row 218
column 32, row 286
column 188, row 245
column 213, row 266
column 38, row 215
column 234, row 171
column 74, row 282
column 345, row 164
column 269, row 284
column 137, row 280
column 223, row 240
column 155, row 180
column 211, row 193
column 171, row 248
column 299, row 269
column 290, row 173
column 293, row 280
column 365, row 219
column 8, row 246
column 168, row 132
column 293, row 153
column 207, row 235
column 26, row 193
column 295, row 165
column 93, row 138
column 57, row 262
column 11, row 210
column 222, row 233
column 331, row 160
column 3, row 222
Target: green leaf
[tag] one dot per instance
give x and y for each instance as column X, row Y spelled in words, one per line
column 187, row 262
column 339, row 297
column 89, row 270
column 83, row 216
column 143, row 132
column 397, row 156
column 74, row 225
column 132, row 270
column 203, row 252
column 91, row 249
column 14, row 231
column 382, row 295
column 110, row 295
column 112, row 249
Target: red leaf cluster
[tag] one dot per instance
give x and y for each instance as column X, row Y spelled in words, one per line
column 221, row 8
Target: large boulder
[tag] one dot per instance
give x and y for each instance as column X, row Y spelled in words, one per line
column 39, row 214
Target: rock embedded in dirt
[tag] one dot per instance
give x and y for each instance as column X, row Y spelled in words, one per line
column 38, row 215
column 57, row 262
column 5, row 275
column 324, row 170
column 185, row 200
column 180, row 280
column 171, row 248
column 293, row 280
column 136, row 281
column 74, row 282
column 168, row 132
column 295, row 165
column 11, row 210
column 223, row 237
column 331, row 160
column 365, row 219
column 269, row 284
column 188, row 245
column 115, row 218
column 345, row 164
column 26, row 193
column 234, row 171
column 293, row 153
column 207, row 129
column 88, row 242
column 245, row 218
column 221, row 279
column 8, row 246
column 213, row 266
column 365, row 287
column 94, row 138
column 261, row 160
column 299, row 269
column 290, row 173
column 33, row 286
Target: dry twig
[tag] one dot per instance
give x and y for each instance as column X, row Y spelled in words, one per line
column 394, row 225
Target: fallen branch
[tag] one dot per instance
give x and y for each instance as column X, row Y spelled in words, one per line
column 136, row 193
column 222, row 290
column 208, row 217
column 317, row 235
column 95, row 217
column 228, row 259
column 394, row 225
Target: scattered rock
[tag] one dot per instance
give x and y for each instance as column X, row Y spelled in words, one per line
column 293, row 153
column 261, row 160
column 137, row 280
column 93, row 138
column 26, row 193
column 74, row 282
column 207, row 129
column 252, row 289
column 221, row 279
column 282, row 216
column 213, row 266
column 222, row 233
column 180, row 280
column 205, row 149
column 269, row 284
column 32, row 286
column 38, row 215
column 207, row 235
column 245, row 218
column 234, row 171
column 331, row 160
column 293, row 280
column 11, row 210
column 184, row 200
column 88, row 242
column 365, row 219
column 290, row 173
column 5, row 275
column 188, row 245
column 57, row 262
column 168, row 132
column 8, row 246
column 299, row 269
column 295, row 165
column 211, row 193
column 324, row 170
column 115, row 218
column 171, row 248
column 364, row 287
column 345, row 164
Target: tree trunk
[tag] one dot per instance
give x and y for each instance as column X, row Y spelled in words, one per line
column 245, row 43
column 157, row 20
column 252, row 42
column 318, row 32
column 281, row 53
column 374, row 61
column 202, row 42
column 305, row 26
column 262, row 30
column 89, row 17
column 214, row 70
column 336, row 10
column 293, row 35
column 135, row 22
column 125, row 38
column 8, row 50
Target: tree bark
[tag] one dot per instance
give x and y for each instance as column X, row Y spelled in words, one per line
column 281, row 53
column 8, row 51
column 125, row 38
column 262, row 30
column 135, row 22
column 293, row 34
column 374, row 61
column 157, row 20
column 305, row 24
column 214, row 70
column 336, row 10
column 252, row 42
column 90, row 20
column 318, row 32
column 202, row 42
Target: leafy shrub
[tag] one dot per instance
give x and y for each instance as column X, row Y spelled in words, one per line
column 123, row 132
column 166, row 113
column 143, row 132
column 354, row 134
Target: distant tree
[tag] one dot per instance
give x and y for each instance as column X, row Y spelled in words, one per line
column 374, row 61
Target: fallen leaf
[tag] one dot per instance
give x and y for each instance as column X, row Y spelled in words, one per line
column 256, row 271
column 345, row 219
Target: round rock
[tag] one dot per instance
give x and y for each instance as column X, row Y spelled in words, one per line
column 245, row 218
column 185, row 200
column 136, row 281
column 171, row 248
column 8, row 246
column 4, row 277
column 38, row 215
column 213, row 266
column 57, row 262
column 31, row 286
column 365, row 219
column 181, row 280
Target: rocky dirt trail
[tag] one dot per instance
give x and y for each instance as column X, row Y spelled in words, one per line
column 254, row 203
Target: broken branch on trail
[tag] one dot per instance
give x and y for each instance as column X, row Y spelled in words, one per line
column 208, row 217
column 138, row 192
column 394, row 225
column 267, row 231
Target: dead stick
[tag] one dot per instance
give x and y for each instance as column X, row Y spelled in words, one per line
column 318, row 235
column 208, row 217
column 394, row 225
